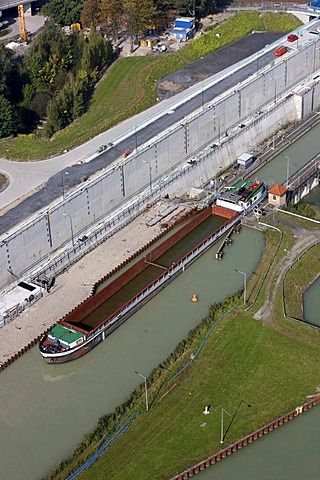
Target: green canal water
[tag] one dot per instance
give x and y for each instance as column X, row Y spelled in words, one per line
column 312, row 294
column 289, row 453
column 46, row 409
column 151, row 273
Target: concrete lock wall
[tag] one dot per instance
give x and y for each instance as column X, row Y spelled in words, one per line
column 243, row 105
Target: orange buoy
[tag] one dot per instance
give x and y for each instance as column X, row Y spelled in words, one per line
column 194, row 298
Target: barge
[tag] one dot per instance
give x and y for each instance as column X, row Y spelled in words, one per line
column 90, row 322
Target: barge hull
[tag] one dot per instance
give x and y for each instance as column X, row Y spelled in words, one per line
column 121, row 315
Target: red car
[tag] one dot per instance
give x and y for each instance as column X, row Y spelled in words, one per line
column 292, row 37
column 281, row 50
column 126, row 153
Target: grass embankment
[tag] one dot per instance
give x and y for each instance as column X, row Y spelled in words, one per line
column 129, row 86
column 242, row 359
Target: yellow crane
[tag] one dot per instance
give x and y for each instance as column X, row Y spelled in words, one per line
column 22, row 23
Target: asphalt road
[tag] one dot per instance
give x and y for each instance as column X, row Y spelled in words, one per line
column 220, row 60
column 78, row 173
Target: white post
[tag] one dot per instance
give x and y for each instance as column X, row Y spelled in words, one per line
column 245, row 285
column 145, row 386
column 288, row 168
column 221, row 432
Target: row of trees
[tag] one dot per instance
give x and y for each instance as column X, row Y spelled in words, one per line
column 113, row 16
column 114, row 13
column 54, row 80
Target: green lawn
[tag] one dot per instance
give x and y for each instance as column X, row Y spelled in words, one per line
column 271, row 367
column 129, row 86
column 241, row 360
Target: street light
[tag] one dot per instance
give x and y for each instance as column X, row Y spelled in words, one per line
column 150, row 173
column 223, row 435
column 62, row 182
column 71, row 227
column 245, row 285
column 288, row 168
column 145, row 386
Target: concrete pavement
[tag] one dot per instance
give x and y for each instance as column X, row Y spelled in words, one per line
column 33, row 24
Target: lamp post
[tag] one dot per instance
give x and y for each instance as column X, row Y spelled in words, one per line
column 150, row 173
column 223, row 435
column 288, row 168
column 71, row 227
column 62, row 182
column 145, row 386
column 221, row 432
column 245, row 285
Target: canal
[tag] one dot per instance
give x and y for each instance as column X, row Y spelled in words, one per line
column 46, row 410
column 311, row 295
column 288, row 453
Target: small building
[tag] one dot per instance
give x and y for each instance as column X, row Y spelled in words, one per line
column 184, row 28
column 245, row 160
column 277, row 195
column 13, row 302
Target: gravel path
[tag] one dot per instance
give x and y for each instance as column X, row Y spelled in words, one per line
column 75, row 285
column 304, row 239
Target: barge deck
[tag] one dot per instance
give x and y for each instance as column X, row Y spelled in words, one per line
column 94, row 319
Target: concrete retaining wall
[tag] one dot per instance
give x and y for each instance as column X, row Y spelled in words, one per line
column 96, row 199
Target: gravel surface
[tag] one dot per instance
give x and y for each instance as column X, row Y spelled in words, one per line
column 75, row 285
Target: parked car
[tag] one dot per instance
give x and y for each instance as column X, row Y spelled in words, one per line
column 281, row 50
column 292, row 37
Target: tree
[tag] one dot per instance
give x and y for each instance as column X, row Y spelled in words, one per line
column 194, row 8
column 9, row 119
column 110, row 17
column 77, row 42
column 137, row 14
column 95, row 54
column 47, row 59
column 60, row 110
column 63, row 12
column 90, row 13
column 81, row 93
column 5, row 70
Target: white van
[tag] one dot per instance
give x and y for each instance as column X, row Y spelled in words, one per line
column 245, row 160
